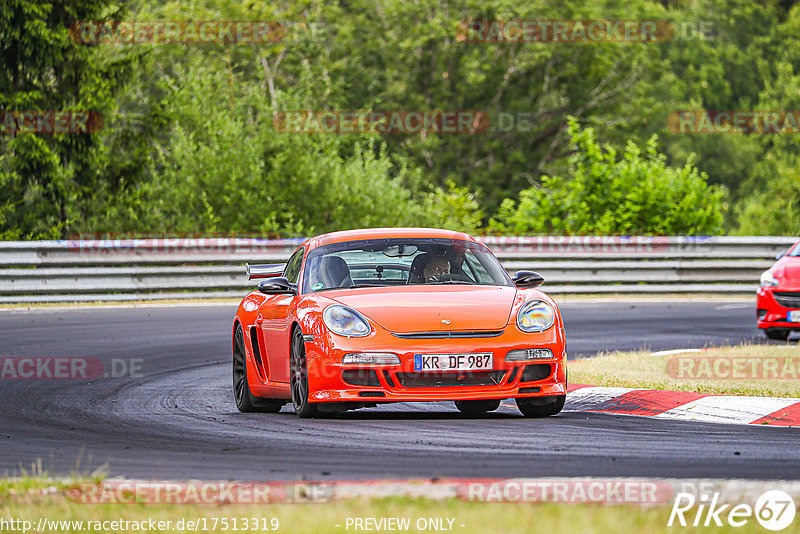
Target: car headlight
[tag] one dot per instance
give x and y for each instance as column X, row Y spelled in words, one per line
column 535, row 316
column 345, row 321
column 767, row 280
column 371, row 358
column 528, row 354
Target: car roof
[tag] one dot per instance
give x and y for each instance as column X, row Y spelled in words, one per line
column 385, row 233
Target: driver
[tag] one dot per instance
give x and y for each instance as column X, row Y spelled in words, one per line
column 435, row 266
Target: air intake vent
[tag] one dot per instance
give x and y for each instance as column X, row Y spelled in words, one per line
column 535, row 372
column 371, row 394
column 257, row 352
column 787, row 299
column 360, row 377
column 427, row 380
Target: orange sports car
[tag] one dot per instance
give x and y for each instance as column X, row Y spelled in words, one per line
column 363, row 317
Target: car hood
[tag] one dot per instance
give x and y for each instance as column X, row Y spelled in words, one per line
column 429, row 308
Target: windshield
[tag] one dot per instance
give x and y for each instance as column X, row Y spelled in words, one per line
column 401, row 261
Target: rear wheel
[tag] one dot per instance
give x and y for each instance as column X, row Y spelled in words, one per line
column 245, row 400
column 477, row 407
column 541, row 406
column 777, row 333
column 299, row 378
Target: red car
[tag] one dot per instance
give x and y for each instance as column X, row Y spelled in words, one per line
column 779, row 296
column 363, row 317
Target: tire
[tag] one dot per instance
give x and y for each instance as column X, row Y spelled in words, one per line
column 299, row 378
column 541, row 406
column 777, row 333
column 477, row 407
column 244, row 398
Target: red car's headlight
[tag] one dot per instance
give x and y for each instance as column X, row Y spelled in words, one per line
column 767, row 280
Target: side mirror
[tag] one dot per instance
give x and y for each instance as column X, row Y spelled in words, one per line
column 276, row 286
column 528, row 279
column 268, row 270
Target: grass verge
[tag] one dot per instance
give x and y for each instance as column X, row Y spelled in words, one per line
column 33, row 499
column 759, row 370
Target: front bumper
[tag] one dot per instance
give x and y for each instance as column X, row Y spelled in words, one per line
column 401, row 383
column 773, row 307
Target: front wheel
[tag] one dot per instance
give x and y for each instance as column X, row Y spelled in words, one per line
column 477, row 407
column 299, row 378
column 245, row 400
column 541, row 406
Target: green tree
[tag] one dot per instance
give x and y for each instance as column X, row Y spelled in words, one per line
column 769, row 200
column 47, row 179
column 222, row 167
column 188, row 143
column 637, row 194
column 720, row 58
column 776, row 210
column 407, row 55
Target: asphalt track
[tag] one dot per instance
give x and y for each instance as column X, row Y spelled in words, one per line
column 177, row 419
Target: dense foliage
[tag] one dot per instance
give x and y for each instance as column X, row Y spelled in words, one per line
column 189, row 143
column 46, row 180
column 635, row 194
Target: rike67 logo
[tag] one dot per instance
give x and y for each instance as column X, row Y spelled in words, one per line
column 774, row 510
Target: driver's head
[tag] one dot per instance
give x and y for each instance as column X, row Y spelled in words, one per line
column 436, row 266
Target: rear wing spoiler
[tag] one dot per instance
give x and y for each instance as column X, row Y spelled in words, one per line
column 267, row 270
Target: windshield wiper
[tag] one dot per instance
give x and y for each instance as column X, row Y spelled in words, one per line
column 452, row 282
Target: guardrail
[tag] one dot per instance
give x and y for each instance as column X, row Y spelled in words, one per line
column 145, row 269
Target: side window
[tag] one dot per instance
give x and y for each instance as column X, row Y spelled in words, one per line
column 292, row 272
column 477, row 269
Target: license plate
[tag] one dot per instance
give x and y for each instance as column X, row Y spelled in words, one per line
column 453, row 362
column 794, row 316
